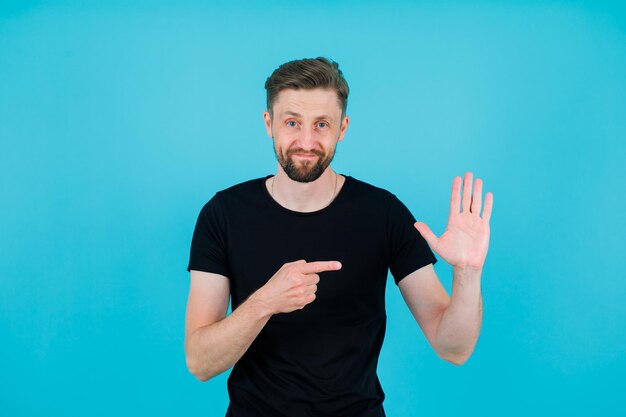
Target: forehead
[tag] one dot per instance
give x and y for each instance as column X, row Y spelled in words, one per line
column 310, row 101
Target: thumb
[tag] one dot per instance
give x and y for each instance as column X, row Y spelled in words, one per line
column 427, row 234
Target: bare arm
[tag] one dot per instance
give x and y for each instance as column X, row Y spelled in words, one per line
column 460, row 324
column 214, row 343
column 216, row 346
column 452, row 325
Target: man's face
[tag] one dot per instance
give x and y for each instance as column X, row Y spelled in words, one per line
column 306, row 126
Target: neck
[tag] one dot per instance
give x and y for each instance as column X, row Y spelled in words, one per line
column 304, row 197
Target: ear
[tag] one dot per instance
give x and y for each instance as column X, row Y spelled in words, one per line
column 268, row 123
column 344, row 127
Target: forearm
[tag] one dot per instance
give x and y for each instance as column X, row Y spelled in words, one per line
column 460, row 323
column 215, row 348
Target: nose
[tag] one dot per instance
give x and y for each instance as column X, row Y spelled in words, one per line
column 306, row 138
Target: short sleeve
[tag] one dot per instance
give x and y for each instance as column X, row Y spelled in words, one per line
column 208, row 245
column 408, row 249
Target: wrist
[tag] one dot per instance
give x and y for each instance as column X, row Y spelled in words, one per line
column 467, row 273
column 467, row 268
column 260, row 305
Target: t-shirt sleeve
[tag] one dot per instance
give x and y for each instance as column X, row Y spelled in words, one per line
column 408, row 248
column 208, row 245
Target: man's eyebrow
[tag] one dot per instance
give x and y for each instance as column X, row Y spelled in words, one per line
column 323, row 116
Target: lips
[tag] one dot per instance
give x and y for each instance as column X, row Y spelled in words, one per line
column 304, row 154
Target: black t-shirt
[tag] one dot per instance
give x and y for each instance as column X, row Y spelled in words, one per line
column 321, row 360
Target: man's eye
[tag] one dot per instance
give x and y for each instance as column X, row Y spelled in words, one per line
column 291, row 123
column 322, row 124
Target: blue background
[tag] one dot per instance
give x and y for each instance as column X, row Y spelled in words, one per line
column 119, row 120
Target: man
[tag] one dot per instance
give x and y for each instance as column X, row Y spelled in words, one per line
column 305, row 254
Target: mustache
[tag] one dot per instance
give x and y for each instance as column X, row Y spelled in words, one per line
column 301, row 151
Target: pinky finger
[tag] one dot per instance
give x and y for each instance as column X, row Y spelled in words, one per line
column 487, row 207
column 312, row 298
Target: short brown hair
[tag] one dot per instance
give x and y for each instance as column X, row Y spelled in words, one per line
column 307, row 73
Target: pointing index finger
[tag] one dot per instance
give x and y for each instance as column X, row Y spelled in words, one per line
column 319, row 266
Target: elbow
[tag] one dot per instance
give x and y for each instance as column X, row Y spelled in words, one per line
column 457, row 353
column 195, row 365
column 201, row 377
column 455, row 358
column 194, row 368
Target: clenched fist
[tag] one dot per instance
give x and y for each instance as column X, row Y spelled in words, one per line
column 294, row 285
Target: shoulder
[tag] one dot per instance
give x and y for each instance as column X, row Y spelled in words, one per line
column 378, row 202
column 364, row 191
column 243, row 188
column 247, row 191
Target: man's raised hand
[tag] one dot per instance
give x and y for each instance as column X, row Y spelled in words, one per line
column 294, row 285
column 466, row 238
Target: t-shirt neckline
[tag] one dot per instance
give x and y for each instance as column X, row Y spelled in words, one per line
column 335, row 201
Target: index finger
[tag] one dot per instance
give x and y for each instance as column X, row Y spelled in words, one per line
column 318, row 266
column 455, row 197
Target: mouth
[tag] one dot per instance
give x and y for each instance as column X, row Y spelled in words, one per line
column 305, row 155
column 301, row 153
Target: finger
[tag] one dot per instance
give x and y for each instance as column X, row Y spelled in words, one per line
column 311, row 279
column 318, row 266
column 488, row 206
column 477, row 198
column 467, row 192
column 455, row 197
column 300, row 261
column 428, row 235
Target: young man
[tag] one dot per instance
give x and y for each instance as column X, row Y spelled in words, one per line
column 305, row 253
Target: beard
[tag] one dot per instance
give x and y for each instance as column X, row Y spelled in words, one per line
column 307, row 170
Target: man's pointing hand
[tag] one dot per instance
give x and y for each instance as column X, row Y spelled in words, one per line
column 294, row 285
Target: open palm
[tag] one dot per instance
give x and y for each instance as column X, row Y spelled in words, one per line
column 466, row 238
